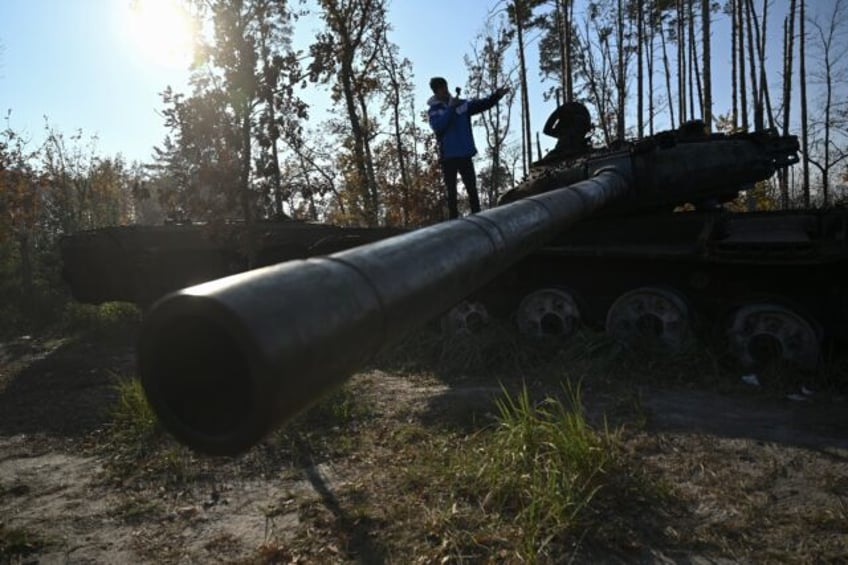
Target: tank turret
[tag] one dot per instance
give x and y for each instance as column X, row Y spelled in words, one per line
column 225, row 362
column 683, row 166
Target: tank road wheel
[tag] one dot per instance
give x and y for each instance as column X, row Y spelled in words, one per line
column 653, row 315
column 466, row 318
column 763, row 333
column 548, row 312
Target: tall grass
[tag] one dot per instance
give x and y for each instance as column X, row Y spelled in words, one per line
column 539, row 469
column 138, row 444
column 134, row 424
column 327, row 428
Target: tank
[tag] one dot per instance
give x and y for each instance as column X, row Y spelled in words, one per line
column 590, row 238
column 141, row 264
column 670, row 263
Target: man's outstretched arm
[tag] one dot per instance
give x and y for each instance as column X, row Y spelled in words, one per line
column 483, row 104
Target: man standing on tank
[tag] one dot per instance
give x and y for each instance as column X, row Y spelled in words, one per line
column 450, row 119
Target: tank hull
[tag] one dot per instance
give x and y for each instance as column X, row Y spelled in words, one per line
column 717, row 262
column 140, row 264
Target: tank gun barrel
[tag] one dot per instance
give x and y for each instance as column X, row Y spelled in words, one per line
column 225, row 362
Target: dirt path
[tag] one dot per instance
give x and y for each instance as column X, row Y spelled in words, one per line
column 756, row 474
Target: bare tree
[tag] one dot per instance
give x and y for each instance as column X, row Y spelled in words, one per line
column 593, row 62
column 788, row 50
column 739, row 28
column 802, row 71
column 707, row 56
column 832, row 46
column 398, row 96
column 667, row 69
column 694, row 70
column 765, row 97
column 649, row 65
column 731, row 6
column 681, row 59
column 345, row 55
column 621, row 76
column 564, row 21
column 752, row 65
column 488, row 71
column 640, row 78
column 520, row 14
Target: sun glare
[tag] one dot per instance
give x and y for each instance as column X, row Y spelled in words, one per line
column 162, row 31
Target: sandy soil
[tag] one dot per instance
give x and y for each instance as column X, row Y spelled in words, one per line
column 760, row 478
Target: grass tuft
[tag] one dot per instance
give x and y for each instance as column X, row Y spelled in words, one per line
column 134, row 424
column 138, row 445
column 542, row 467
column 327, row 429
column 139, row 448
column 16, row 544
column 102, row 319
column 534, row 476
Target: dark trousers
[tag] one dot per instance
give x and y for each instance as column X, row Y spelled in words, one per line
column 465, row 167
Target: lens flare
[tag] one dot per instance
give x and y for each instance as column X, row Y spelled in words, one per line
column 163, row 32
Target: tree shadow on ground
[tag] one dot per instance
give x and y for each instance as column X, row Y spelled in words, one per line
column 693, row 392
column 645, row 525
column 64, row 388
column 357, row 531
column 816, row 423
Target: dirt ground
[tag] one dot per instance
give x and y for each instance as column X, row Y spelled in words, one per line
column 756, row 477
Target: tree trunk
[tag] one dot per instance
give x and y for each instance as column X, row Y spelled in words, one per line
column 358, row 136
column 650, row 65
column 640, row 40
column 244, row 186
column 681, row 62
column 734, row 87
column 278, row 185
column 828, row 105
column 559, row 18
column 802, row 78
column 708, row 81
column 788, row 49
column 693, row 64
column 563, row 22
column 525, row 97
column 752, row 67
column 765, row 97
column 371, row 177
column 569, row 53
column 597, row 91
column 667, row 68
column 621, row 82
column 400, row 149
column 740, row 45
column 268, row 90
column 604, row 94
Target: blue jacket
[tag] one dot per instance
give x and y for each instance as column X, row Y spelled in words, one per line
column 452, row 126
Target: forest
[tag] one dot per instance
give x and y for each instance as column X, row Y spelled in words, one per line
column 244, row 144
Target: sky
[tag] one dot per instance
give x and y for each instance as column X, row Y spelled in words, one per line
column 78, row 63
column 91, row 65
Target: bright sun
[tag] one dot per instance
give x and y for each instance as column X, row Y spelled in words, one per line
column 162, row 31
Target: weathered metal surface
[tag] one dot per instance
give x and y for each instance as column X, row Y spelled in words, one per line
column 141, row 264
column 224, row 362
